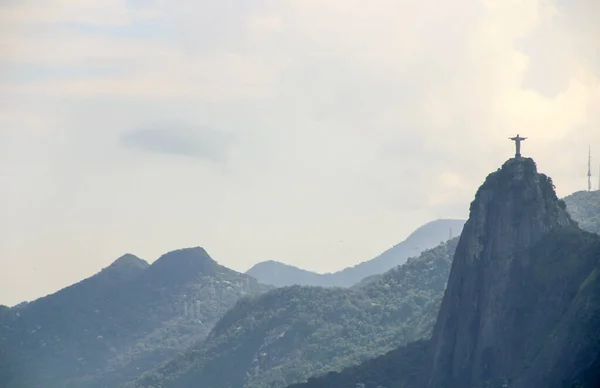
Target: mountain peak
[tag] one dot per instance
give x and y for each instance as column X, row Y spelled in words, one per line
column 493, row 271
column 124, row 268
column 129, row 260
column 516, row 203
column 184, row 264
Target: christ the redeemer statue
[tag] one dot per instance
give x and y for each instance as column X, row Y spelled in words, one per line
column 518, row 139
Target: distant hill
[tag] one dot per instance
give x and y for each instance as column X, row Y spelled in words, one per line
column 584, row 207
column 126, row 319
column 280, row 275
column 287, row 334
column 425, row 237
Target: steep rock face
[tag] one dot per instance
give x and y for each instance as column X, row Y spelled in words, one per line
column 497, row 303
column 571, row 356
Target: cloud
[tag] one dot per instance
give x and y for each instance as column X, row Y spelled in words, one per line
column 177, row 138
column 90, row 12
column 352, row 120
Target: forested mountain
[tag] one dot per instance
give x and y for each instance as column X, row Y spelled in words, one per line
column 109, row 328
column 584, row 207
column 522, row 306
column 425, row 237
column 287, row 334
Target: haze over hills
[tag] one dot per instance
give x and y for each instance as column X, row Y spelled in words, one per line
column 522, row 306
column 584, row 207
column 286, row 335
column 425, row 237
column 110, row 327
column 131, row 316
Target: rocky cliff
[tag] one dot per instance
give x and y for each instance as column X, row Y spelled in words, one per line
column 518, row 269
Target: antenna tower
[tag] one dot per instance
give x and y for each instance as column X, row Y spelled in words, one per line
column 590, row 169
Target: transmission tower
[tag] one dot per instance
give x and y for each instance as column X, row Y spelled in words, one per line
column 590, row 169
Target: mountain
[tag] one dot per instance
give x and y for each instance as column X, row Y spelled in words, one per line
column 584, row 207
column 517, row 284
column 125, row 268
column 286, row 335
column 279, row 274
column 425, row 237
column 128, row 318
column 290, row 333
column 522, row 306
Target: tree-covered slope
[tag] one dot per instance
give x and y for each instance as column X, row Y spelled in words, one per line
column 291, row 333
column 128, row 318
column 399, row 368
column 584, row 207
column 425, row 237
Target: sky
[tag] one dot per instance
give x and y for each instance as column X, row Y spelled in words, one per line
column 318, row 133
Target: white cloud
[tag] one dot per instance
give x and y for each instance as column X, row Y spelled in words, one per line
column 90, row 12
column 355, row 121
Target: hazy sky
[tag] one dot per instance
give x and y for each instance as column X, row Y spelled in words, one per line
column 314, row 132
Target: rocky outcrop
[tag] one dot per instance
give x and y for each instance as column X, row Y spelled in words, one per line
column 518, row 267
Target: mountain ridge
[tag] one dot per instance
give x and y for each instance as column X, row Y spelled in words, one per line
column 425, row 237
column 288, row 333
column 98, row 333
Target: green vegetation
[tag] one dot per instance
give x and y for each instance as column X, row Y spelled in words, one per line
column 399, row 368
column 584, row 207
column 288, row 334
